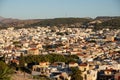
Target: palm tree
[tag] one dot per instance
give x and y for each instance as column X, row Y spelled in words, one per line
column 76, row 74
column 5, row 71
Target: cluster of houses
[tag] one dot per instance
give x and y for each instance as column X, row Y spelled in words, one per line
column 98, row 51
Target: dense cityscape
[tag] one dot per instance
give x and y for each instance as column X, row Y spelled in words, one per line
column 59, row 39
column 60, row 53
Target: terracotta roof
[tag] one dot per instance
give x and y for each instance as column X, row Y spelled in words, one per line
column 33, row 49
column 72, row 63
column 79, row 54
column 14, row 61
column 83, row 64
column 109, row 69
column 54, row 64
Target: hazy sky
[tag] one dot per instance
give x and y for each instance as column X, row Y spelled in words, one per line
column 26, row 9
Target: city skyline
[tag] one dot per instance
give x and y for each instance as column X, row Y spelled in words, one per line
column 42, row 9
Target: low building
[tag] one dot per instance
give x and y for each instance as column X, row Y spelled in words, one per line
column 107, row 74
column 33, row 51
column 41, row 69
column 73, row 64
column 83, row 66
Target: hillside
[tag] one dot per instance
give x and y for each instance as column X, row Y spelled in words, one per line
column 98, row 22
column 1, row 18
column 112, row 24
column 10, row 22
column 61, row 22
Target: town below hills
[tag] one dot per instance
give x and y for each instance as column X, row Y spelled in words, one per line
column 96, row 23
column 60, row 49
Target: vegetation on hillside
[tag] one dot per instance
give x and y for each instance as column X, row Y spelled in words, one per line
column 112, row 24
column 50, row 58
column 5, row 71
column 61, row 21
column 76, row 74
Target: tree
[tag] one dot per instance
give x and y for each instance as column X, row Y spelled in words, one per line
column 50, row 58
column 5, row 71
column 76, row 74
column 2, row 58
column 22, row 61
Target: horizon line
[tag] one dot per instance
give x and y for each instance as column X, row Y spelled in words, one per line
column 57, row 17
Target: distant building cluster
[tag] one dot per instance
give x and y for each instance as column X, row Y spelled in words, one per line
column 98, row 51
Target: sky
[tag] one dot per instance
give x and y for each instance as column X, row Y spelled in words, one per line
column 42, row 9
